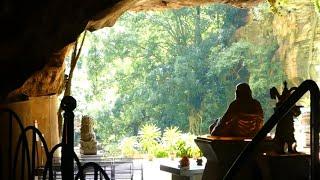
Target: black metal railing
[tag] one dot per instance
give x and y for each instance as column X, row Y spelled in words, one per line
column 14, row 118
column 251, row 149
column 23, row 143
column 21, row 163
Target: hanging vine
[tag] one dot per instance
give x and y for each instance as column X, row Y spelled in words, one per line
column 317, row 6
column 67, row 89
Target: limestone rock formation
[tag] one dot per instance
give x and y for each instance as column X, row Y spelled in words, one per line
column 297, row 28
column 258, row 29
column 49, row 80
column 88, row 143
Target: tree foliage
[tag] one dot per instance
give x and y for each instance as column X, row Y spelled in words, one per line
column 173, row 68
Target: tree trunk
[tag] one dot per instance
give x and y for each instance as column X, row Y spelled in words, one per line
column 195, row 121
column 197, row 25
column 195, row 115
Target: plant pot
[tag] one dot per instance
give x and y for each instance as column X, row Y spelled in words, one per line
column 199, row 161
column 172, row 156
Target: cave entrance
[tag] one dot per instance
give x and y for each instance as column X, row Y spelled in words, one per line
column 175, row 71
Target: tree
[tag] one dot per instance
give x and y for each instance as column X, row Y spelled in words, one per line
column 178, row 81
column 174, row 68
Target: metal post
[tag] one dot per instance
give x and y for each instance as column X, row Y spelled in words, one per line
column 68, row 104
column 314, row 133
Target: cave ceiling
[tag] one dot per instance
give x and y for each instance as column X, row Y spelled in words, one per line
column 36, row 34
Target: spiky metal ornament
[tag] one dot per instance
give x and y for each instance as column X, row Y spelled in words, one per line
column 284, row 137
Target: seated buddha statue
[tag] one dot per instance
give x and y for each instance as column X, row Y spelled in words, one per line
column 243, row 118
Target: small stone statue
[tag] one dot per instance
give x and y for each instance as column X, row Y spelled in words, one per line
column 284, row 137
column 88, row 143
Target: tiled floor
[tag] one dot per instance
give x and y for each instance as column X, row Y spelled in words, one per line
column 151, row 171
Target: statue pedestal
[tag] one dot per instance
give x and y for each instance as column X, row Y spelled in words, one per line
column 194, row 172
column 287, row 166
column 221, row 152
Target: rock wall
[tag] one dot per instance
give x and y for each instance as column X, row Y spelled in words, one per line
column 49, row 80
column 297, row 28
column 258, row 29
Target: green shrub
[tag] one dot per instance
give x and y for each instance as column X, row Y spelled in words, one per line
column 181, row 148
column 170, row 138
column 194, row 152
column 186, row 146
column 149, row 138
column 128, row 145
column 160, row 152
column 111, row 149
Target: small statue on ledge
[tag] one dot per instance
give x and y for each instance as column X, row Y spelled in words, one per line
column 88, row 143
column 284, row 137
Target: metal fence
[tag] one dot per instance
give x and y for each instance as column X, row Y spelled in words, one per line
column 22, row 160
